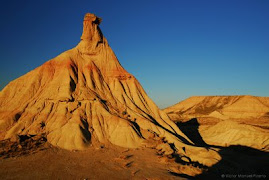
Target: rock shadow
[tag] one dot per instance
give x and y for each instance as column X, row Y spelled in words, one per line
column 191, row 130
column 237, row 161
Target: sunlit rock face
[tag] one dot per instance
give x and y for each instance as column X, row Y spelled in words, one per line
column 85, row 97
column 222, row 107
column 226, row 120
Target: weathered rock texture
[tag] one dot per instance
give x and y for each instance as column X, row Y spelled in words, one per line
column 222, row 107
column 227, row 132
column 83, row 97
column 226, row 120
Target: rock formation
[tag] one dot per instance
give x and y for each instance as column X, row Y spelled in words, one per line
column 225, row 120
column 226, row 133
column 222, row 107
column 85, row 97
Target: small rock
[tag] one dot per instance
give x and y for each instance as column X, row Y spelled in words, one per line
column 14, row 138
column 186, row 159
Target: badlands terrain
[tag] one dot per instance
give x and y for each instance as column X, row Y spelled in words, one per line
column 81, row 115
column 225, row 120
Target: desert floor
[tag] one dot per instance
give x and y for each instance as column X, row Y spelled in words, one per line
column 94, row 163
column 37, row 159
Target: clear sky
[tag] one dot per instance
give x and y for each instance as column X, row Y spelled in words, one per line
column 175, row 48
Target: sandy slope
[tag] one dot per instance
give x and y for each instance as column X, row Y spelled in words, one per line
column 223, row 107
column 228, row 132
column 226, row 120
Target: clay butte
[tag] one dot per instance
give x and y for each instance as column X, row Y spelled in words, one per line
column 84, row 97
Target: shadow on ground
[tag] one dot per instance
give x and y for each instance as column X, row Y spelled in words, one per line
column 190, row 129
column 237, row 161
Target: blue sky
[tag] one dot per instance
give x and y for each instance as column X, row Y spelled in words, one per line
column 175, row 48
